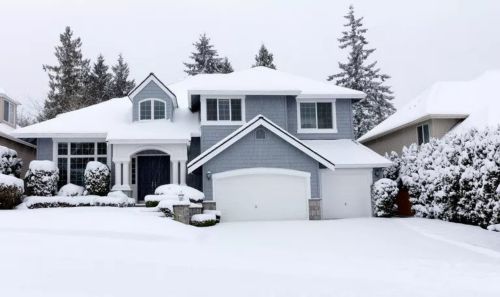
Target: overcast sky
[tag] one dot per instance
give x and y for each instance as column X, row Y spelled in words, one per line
column 417, row 42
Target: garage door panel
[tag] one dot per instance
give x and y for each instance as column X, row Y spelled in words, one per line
column 263, row 196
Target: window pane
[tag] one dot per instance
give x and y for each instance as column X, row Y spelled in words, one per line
column 102, row 148
column 132, row 165
column 426, row 133
column 325, row 119
column 103, row 160
column 211, row 109
column 308, row 115
column 420, row 135
column 236, row 110
column 62, row 164
column 82, row 148
column 145, row 110
column 62, row 148
column 77, row 168
column 159, row 110
column 6, row 111
column 224, row 110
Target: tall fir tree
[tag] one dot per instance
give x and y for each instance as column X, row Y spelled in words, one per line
column 120, row 85
column 264, row 58
column 205, row 58
column 66, row 79
column 99, row 87
column 225, row 66
column 360, row 74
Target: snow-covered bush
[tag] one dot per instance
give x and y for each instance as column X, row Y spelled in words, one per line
column 217, row 213
column 392, row 172
column 114, row 200
column 41, row 178
column 70, row 190
column 384, row 193
column 97, row 178
column 153, row 200
column 11, row 190
column 186, row 192
column 10, row 164
column 203, row 220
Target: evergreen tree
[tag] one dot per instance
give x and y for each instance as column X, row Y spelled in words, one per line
column 99, row 87
column 121, row 86
column 264, row 58
column 359, row 74
column 225, row 66
column 66, row 79
column 205, row 58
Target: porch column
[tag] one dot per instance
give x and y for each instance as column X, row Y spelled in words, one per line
column 118, row 174
column 126, row 172
column 175, row 171
column 182, row 173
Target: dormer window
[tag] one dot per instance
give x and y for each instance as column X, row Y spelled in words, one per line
column 152, row 109
column 8, row 112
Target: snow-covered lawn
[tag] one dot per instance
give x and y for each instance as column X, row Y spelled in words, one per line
column 100, row 251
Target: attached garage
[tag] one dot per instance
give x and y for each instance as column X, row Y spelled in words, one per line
column 262, row 194
column 346, row 193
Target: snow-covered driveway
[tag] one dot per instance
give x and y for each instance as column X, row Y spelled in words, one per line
column 134, row 252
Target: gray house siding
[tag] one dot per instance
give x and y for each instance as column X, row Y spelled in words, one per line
column 272, row 107
column 150, row 91
column 44, row 149
column 271, row 152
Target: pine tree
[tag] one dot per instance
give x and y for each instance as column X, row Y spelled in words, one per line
column 225, row 66
column 121, row 86
column 359, row 74
column 99, row 87
column 205, row 58
column 264, row 58
column 66, row 79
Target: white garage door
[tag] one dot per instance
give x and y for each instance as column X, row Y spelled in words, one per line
column 262, row 194
column 345, row 193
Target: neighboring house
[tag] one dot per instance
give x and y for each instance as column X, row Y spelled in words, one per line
column 8, row 113
column 262, row 143
column 444, row 107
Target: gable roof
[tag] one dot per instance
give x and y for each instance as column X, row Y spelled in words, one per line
column 146, row 81
column 454, row 99
column 256, row 122
column 265, row 81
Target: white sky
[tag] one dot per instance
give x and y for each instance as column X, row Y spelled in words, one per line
column 418, row 42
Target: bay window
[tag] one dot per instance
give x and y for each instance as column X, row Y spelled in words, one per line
column 316, row 117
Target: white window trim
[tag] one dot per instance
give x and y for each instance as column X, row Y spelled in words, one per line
column 152, row 109
column 12, row 115
column 317, row 130
column 423, row 137
column 56, row 156
column 203, row 111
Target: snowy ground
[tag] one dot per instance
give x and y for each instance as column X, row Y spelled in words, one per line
column 98, row 251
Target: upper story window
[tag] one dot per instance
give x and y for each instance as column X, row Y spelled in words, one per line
column 228, row 111
column 9, row 112
column 316, row 117
column 152, row 109
column 423, row 134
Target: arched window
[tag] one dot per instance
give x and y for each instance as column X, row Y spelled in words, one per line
column 152, row 109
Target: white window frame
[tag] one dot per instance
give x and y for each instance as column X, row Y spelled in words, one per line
column 203, row 110
column 11, row 113
column 56, row 156
column 317, row 130
column 152, row 109
column 421, row 126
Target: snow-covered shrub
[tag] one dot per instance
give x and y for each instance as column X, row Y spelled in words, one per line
column 384, row 193
column 74, row 201
column 186, row 192
column 115, row 198
column 97, row 178
column 217, row 213
column 41, row 178
column 203, row 220
column 11, row 190
column 392, row 172
column 153, row 200
column 70, row 190
column 10, row 164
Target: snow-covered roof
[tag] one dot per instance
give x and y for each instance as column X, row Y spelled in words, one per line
column 265, row 81
column 4, row 95
column 454, row 99
column 347, row 153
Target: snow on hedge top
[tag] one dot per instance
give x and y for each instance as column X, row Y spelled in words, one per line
column 346, row 153
column 5, row 151
column 476, row 99
column 70, row 190
column 95, row 165
column 189, row 193
column 42, row 165
column 9, row 180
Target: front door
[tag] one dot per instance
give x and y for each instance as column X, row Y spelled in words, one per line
column 152, row 172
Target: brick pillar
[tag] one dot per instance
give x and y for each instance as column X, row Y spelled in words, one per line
column 315, row 209
column 181, row 213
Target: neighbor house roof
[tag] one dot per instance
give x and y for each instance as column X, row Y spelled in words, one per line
column 265, row 81
column 477, row 100
column 258, row 121
column 4, row 95
column 347, row 153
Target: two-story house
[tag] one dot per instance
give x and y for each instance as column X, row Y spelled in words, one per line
column 8, row 113
column 262, row 143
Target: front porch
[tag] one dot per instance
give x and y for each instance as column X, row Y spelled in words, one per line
column 139, row 168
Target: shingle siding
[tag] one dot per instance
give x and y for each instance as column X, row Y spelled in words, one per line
column 44, row 149
column 271, row 152
column 152, row 91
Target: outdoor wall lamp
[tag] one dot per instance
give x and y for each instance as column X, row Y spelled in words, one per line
column 209, row 175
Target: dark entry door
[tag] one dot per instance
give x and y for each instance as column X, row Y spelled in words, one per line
column 152, row 171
